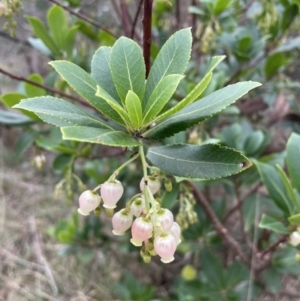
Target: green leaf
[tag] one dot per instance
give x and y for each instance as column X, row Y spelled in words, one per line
column 273, row 63
column 221, row 5
column 197, row 91
column 271, row 223
column 113, row 103
column 289, row 189
column 160, row 96
column 33, row 91
column 101, row 72
column 253, row 143
column 292, row 159
column 208, row 161
column 70, row 40
column 134, row 109
column 275, row 186
column 41, row 32
column 14, row 119
column 58, row 25
column 85, row 86
column 11, row 99
column 294, row 219
column 127, row 68
column 172, row 59
column 100, row 136
column 200, row 110
column 24, row 142
column 60, row 113
column 288, row 16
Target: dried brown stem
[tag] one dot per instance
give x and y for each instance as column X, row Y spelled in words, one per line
column 49, row 89
column 83, row 17
column 202, row 200
column 147, row 22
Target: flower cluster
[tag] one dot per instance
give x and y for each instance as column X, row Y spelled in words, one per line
column 295, row 238
column 152, row 227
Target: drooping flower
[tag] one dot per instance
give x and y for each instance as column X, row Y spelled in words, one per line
column 137, row 206
column 121, row 221
column 295, row 239
column 165, row 247
column 111, row 192
column 88, row 201
column 141, row 230
column 153, row 184
column 165, row 218
column 176, row 232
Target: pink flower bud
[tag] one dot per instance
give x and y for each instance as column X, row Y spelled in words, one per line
column 141, row 230
column 137, row 206
column 176, row 232
column 121, row 221
column 111, row 193
column 153, row 184
column 88, row 201
column 165, row 218
column 165, row 247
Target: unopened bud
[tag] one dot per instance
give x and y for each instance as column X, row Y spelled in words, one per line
column 168, row 185
column 97, row 211
column 109, row 212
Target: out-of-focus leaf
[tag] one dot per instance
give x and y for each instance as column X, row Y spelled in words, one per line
column 273, row 63
column 292, row 159
column 271, row 223
column 33, row 91
column 24, row 142
column 14, row 119
column 220, row 6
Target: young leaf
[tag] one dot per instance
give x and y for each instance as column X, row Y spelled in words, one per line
column 134, row 109
column 292, row 159
column 270, row 223
column 85, row 86
column 275, row 186
column 294, row 219
column 60, row 113
column 160, row 96
column 289, row 189
column 70, row 40
column 41, row 32
column 101, row 72
column 220, row 6
column 100, row 136
column 209, row 161
column 33, row 91
column 113, row 103
column 200, row 110
column 197, row 91
column 172, row 59
column 58, row 25
column 127, row 68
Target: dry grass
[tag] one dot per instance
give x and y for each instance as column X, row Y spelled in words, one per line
column 30, row 267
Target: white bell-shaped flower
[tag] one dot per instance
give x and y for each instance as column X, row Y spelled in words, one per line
column 121, row 221
column 111, row 192
column 141, row 230
column 153, row 184
column 176, row 232
column 137, row 206
column 88, row 201
column 295, row 239
column 165, row 247
column 165, row 218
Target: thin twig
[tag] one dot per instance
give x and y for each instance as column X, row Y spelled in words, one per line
column 124, row 18
column 147, row 22
column 273, row 247
column 194, row 20
column 135, row 19
column 116, row 8
column 83, row 17
column 49, row 89
column 200, row 197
